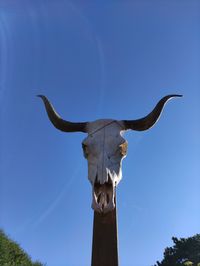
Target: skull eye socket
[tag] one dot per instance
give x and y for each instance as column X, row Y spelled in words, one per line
column 85, row 150
column 123, row 148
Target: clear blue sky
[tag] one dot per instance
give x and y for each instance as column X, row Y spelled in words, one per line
column 98, row 59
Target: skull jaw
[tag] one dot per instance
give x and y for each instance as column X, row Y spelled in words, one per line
column 103, row 197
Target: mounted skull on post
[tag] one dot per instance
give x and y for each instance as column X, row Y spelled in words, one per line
column 104, row 148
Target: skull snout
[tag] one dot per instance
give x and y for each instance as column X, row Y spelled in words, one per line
column 103, row 196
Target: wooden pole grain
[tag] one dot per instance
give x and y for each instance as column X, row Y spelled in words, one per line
column 105, row 239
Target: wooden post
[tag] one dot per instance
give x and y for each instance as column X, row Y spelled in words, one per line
column 105, row 239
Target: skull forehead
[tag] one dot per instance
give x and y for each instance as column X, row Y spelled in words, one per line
column 105, row 131
column 108, row 123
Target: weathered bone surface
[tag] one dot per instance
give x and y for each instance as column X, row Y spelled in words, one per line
column 104, row 148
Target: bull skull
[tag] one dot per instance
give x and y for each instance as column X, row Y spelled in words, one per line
column 104, row 148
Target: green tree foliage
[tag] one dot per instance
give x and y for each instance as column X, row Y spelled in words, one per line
column 11, row 253
column 188, row 263
column 185, row 252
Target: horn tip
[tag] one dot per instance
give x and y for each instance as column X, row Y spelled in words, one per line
column 41, row 96
column 170, row 96
column 177, row 95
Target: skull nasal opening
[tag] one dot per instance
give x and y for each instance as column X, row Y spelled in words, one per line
column 103, row 195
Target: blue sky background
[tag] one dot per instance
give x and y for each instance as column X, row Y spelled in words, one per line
column 98, row 59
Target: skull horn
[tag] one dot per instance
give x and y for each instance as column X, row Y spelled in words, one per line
column 58, row 122
column 149, row 120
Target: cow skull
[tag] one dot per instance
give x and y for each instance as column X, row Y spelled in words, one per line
column 104, row 148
